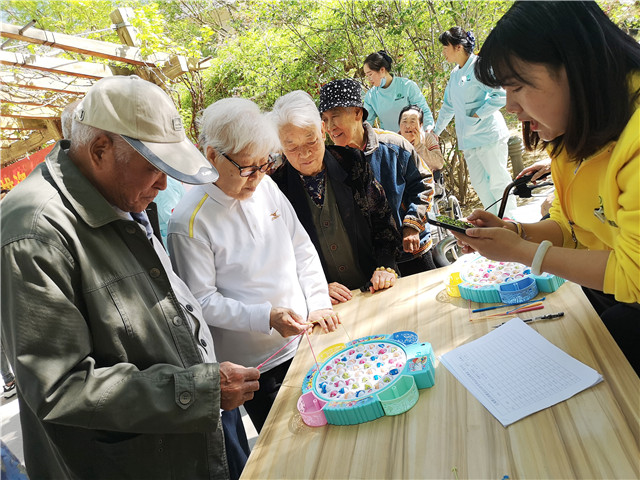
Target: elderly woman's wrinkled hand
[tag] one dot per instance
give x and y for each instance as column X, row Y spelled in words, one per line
column 287, row 322
column 326, row 318
column 382, row 279
column 410, row 239
column 339, row 293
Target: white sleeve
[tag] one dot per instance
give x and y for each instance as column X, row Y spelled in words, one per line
column 194, row 262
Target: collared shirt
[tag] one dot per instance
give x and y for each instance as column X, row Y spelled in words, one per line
column 315, row 186
column 240, row 259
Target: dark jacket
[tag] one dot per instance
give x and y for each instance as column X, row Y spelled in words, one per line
column 362, row 203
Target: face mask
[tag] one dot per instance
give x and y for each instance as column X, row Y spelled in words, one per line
column 383, row 82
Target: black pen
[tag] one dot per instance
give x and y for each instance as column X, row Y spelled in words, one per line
column 535, row 319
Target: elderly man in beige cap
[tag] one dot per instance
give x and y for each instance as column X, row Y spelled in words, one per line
column 115, row 367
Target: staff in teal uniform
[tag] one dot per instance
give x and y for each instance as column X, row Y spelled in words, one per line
column 390, row 94
column 480, row 127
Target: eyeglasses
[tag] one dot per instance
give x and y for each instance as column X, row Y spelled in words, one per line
column 248, row 171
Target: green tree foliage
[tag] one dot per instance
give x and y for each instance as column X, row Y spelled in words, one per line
column 262, row 49
column 281, row 46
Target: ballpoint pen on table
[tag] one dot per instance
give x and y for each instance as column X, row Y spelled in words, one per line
column 484, row 309
column 535, row 319
column 516, row 311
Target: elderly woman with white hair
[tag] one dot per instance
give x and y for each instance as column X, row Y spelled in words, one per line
column 240, row 248
column 337, row 199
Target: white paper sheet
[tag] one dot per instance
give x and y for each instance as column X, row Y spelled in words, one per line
column 514, row 371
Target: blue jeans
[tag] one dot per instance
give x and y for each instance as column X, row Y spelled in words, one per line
column 235, row 442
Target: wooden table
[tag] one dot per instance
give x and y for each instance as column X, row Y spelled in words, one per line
column 448, row 434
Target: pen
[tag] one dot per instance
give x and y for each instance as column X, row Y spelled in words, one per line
column 524, row 308
column 484, row 309
column 535, row 319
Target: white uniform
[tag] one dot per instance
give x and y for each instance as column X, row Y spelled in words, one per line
column 240, row 258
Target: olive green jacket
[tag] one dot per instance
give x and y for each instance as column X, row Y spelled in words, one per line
column 110, row 380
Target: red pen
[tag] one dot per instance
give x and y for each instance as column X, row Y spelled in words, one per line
column 528, row 309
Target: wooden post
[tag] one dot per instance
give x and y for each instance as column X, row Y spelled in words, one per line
column 127, row 32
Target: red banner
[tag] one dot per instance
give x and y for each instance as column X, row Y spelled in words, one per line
column 16, row 172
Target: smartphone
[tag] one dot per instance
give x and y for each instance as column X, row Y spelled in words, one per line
column 448, row 222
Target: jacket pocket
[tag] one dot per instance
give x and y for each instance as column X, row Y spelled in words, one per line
column 129, row 456
column 129, row 319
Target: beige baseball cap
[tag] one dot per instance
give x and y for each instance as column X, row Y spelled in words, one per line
column 145, row 116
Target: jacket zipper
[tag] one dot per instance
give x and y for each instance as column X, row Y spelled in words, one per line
column 568, row 210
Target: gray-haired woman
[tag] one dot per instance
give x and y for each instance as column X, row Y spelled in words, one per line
column 240, row 248
column 337, row 199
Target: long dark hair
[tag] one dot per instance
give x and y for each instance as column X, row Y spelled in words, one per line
column 377, row 60
column 457, row 36
column 595, row 53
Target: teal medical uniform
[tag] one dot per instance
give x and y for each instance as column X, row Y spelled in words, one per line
column 387, row 103
column 483, row 139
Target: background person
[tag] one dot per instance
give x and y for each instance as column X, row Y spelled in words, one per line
column 538, row 169
column 549, row 57
column 166, row 202
column 389, row 93
column 407, row 182
column 480, row 127
column 240, row 248
column 116, row 377
column 411, row 120
column 337, row 199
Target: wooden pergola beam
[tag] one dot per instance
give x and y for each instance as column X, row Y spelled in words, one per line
column 62, row 66
column 126, row 32
column 42, row 113
column 34, row 81
column 36, row 100
column 10, row 123
column 19, row 149
column 70, row 43
column 129, row 54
